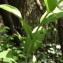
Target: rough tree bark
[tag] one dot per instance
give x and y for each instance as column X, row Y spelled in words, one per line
column 60, row 33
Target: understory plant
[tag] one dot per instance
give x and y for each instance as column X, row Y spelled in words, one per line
column 34, row 37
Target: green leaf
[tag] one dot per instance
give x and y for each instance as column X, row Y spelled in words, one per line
column 57, row 13
column 27, row 28
column 50, row 5
column 38, row 38
column 9, row 60
column 29, row 38
column 7, row 55
column 43, row 17
column 11, row 9
column 31, row 45
column 4, row 53
column 27, row 44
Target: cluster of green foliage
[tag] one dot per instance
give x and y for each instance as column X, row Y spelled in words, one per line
column 34, row 37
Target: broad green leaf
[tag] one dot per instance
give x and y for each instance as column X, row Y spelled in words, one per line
column 38, row 38
column 32, row 45
column 57, row 13
column 12, row 60
column 7, row 55
column 50, row 5
column 29, row 38
column 27, row 28
column 27, row 44
column 11, row 9
column 19, row 36
column 43, row 17
column 4, row 53
column 9, row 60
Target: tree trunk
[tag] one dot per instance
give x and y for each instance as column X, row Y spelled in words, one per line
column 60, row 33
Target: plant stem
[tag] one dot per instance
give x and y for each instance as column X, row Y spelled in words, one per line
column 27, row 55
column 26, row 59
